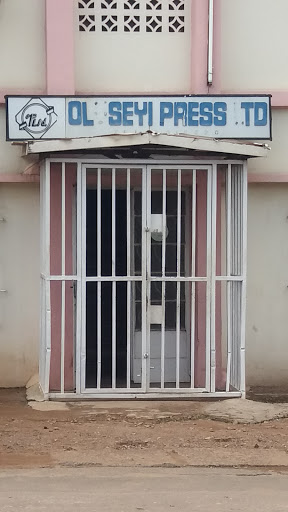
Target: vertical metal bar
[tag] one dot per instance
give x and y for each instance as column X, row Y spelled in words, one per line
column 228, row 270
column 83, row 274
column 233, row 273
column 208, row 286
column 164, row 222
column 213, row 277
column 148, row 274
column 43, row 278
column 145, row 251
column 99, row 283
column 178, row 275
column 113, row 282
column 113, row 223
column 238, row 285
column 193, row 273
column 63, row 235
column 47, row 274
column 244, row 272
column 79, row 279
column 128, row 217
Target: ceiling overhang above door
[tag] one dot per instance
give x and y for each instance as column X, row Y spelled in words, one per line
column 197, row 144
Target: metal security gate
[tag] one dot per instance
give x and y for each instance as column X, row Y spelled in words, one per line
column 143, row 278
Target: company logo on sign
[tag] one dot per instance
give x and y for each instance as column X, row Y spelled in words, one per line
column 36, row 118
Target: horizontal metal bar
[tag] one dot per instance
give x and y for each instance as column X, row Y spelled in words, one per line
column 230, row 278
column 61, row 278
column 143, row 395
column 182, row 165
column 179, row 279
column 113, row 278
column 130, row 162
column 139, row 279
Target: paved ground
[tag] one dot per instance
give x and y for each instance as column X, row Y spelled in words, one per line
column 148, row 490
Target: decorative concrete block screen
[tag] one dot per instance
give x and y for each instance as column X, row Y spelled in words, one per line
column 132, row 16
column 133, row 46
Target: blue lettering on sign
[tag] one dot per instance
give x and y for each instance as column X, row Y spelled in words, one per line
column 193, row 113
column 74, row 113
column 150, row 113
column 259, row 111
column 166, row 111
column 247, row 105
column 206, row 111
column 86, row 121
column 115, row 113
column 140, row 112
column 124, row 114
column 220, row 116
column 180, row 113
column 261, row 114
column 77, row 114
column 127, row 112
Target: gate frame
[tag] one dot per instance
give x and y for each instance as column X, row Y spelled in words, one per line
column 45, row 311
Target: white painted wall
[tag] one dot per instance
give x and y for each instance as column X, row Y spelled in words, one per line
column 132, row 62
column 267, row 293
column 19, row 275
column 277, row 158
column 19, row 269
column 22, row 45
column 254, row 45
column 11, row 160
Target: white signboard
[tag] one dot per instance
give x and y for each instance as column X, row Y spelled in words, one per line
column 220, row 117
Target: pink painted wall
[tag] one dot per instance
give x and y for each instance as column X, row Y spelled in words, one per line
column 60, row 47
column 201, row 270
column 199, row 46
column 55, row 268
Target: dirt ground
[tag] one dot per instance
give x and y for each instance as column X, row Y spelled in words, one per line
column 78, row 437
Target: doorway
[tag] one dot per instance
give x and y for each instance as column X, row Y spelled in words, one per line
column 143, row 290
column 141, row 282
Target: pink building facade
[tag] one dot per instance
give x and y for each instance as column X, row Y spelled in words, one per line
column 144, row 242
